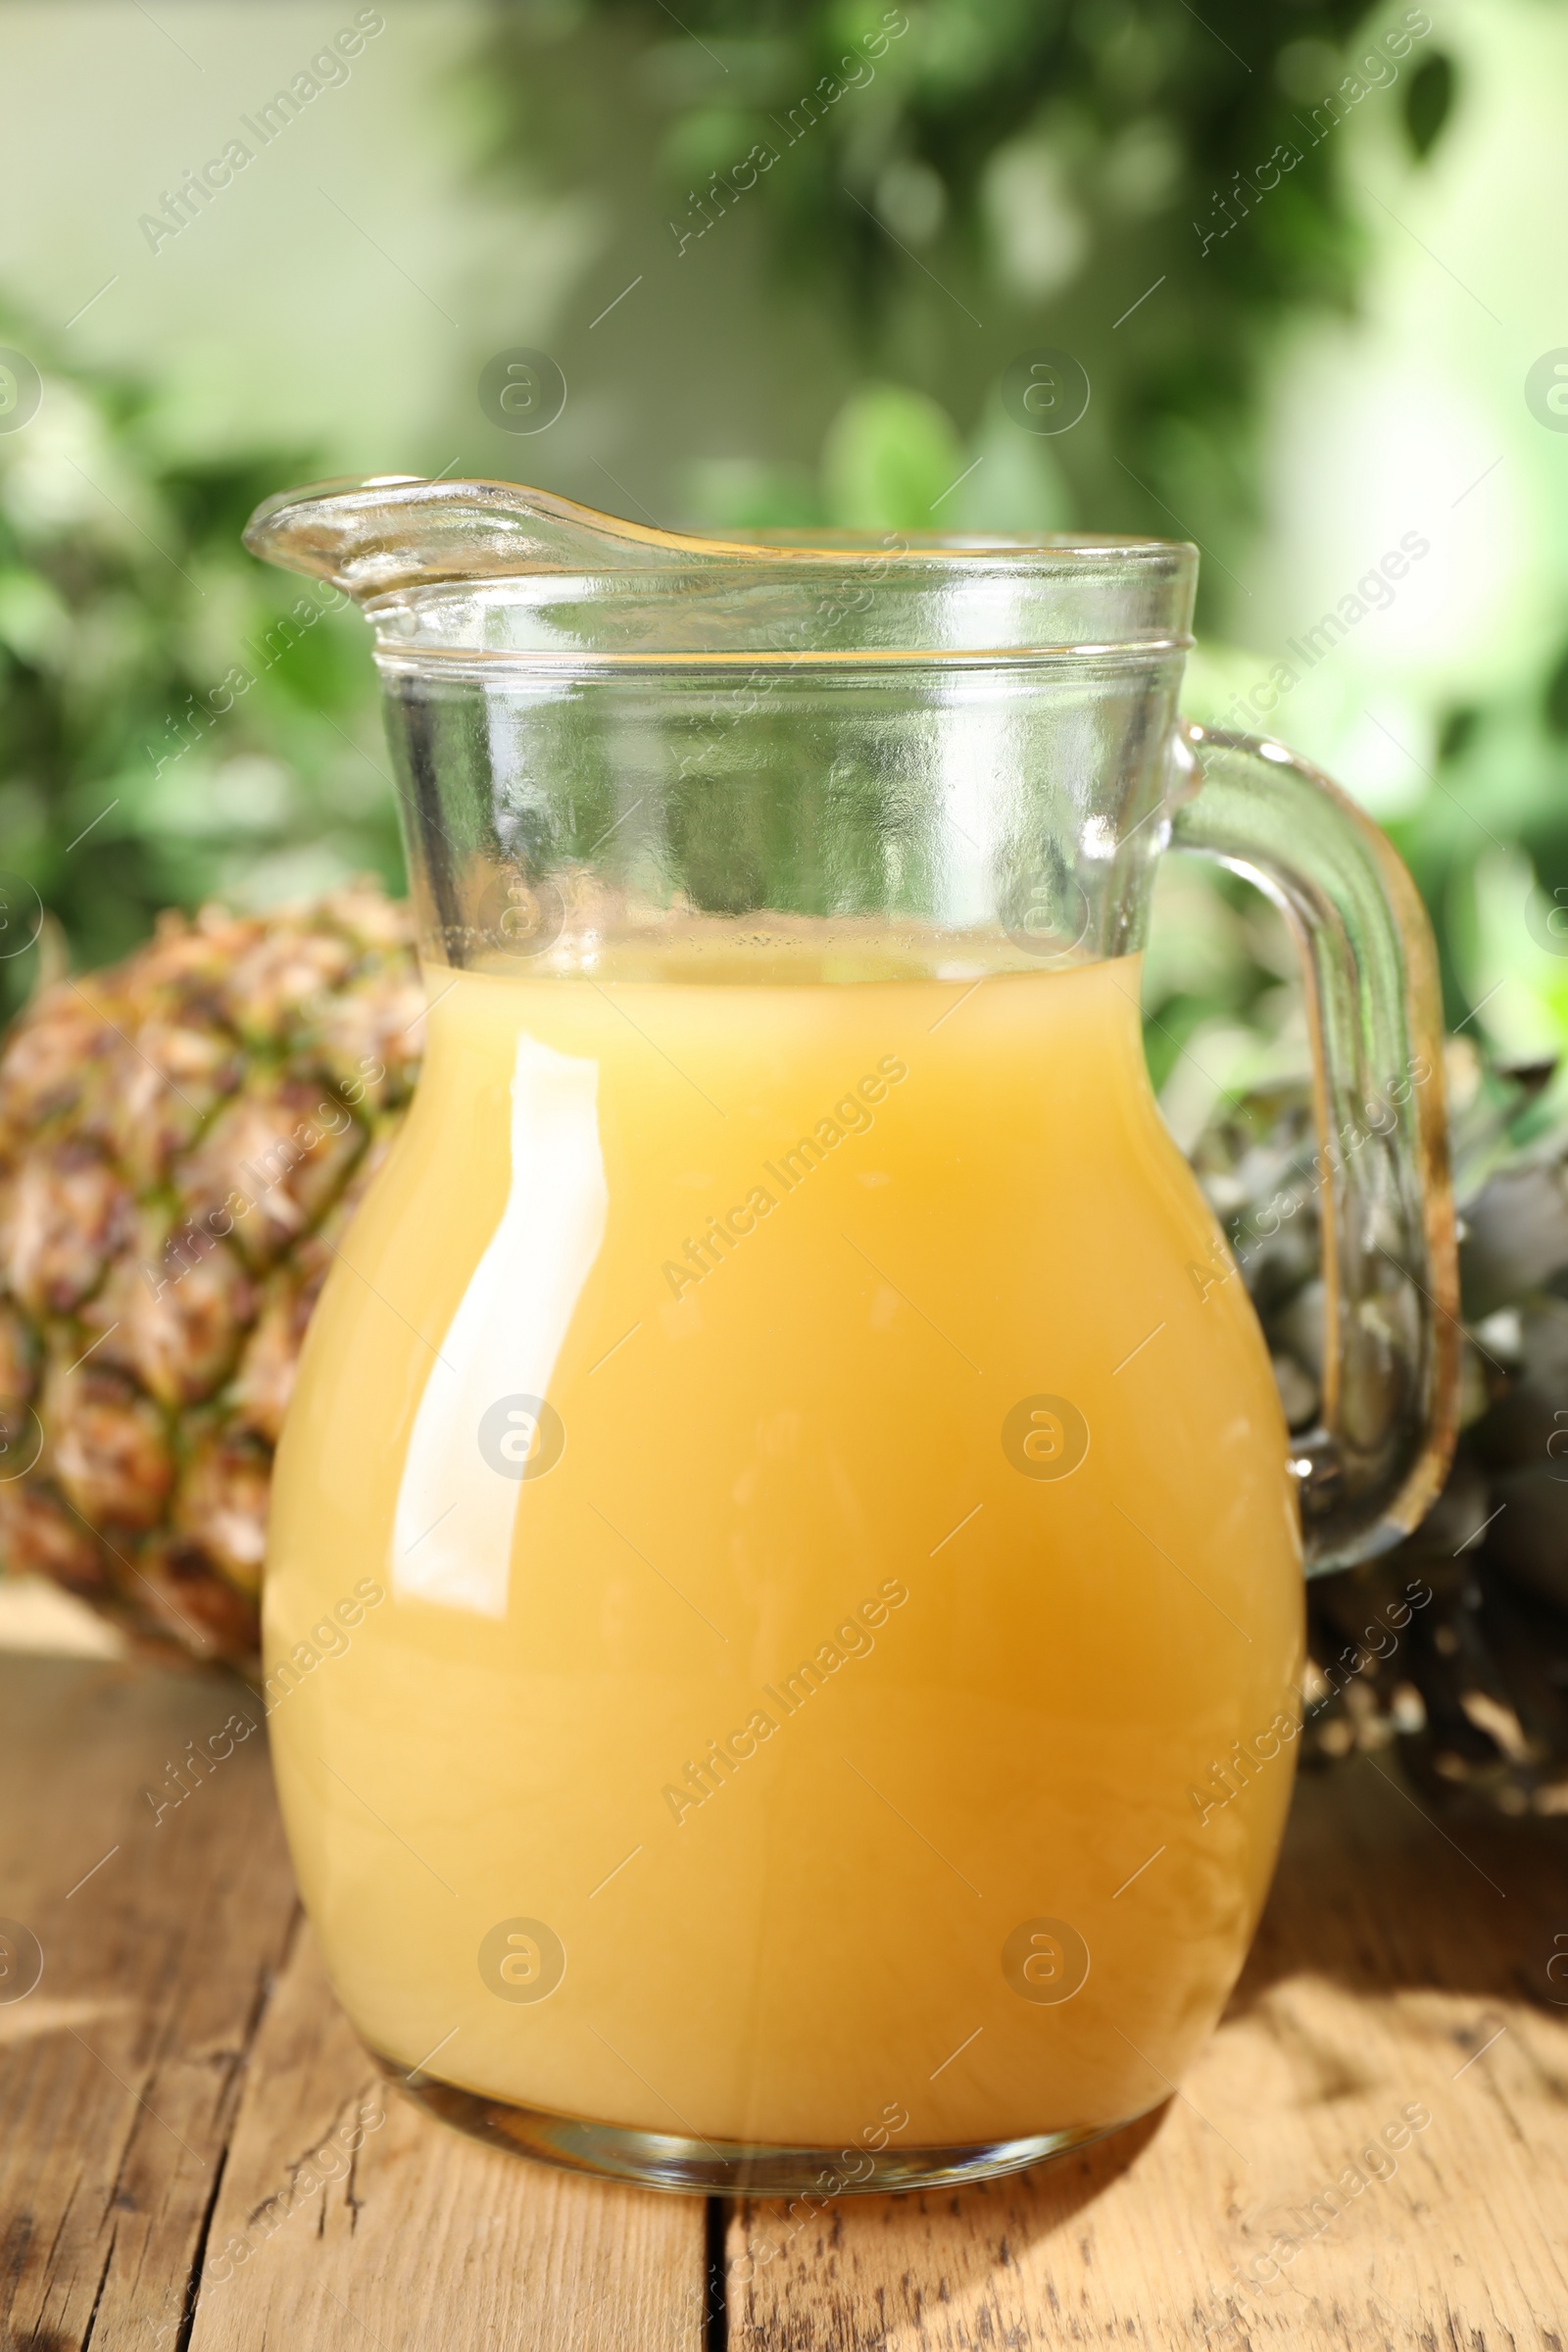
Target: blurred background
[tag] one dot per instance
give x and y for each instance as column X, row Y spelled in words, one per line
column 784, row 257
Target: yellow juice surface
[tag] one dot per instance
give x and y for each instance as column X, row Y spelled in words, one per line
column 873, row 1709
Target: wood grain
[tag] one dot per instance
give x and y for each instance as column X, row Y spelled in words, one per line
column 423, row 2238
column 164, row 2089
column 1390, row 1973
column 176, row 2096
column 119, row 2075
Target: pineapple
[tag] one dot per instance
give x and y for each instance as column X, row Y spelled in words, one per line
column 182, row 1141
column 1453, row 1650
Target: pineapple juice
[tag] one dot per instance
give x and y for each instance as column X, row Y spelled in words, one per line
column 832, row 1509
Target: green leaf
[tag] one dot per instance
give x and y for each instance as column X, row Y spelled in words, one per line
column 1429, row 97
column 888, row 457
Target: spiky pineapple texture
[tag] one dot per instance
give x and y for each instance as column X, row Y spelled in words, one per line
column 183, row 1140
column 1454, row 1647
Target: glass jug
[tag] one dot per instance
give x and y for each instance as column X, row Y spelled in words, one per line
column 821, row 1544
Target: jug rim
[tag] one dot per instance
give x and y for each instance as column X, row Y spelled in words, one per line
column 347, row 529
column 473, row 572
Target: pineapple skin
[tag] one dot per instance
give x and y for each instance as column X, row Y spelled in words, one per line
column 1452, row 1649
column 183, row 1139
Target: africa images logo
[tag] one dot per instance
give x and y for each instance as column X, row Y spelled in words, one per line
column 1045, row 1961
column 1045, row 1437
column 521, row 1437
column 522, row 1960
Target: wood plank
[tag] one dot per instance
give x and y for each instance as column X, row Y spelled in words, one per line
column 120, row 2074
column 182, row 2061
column 420, row 2237
column 1402, row 1963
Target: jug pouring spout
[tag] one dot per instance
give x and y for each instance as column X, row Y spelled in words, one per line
column 373, row 535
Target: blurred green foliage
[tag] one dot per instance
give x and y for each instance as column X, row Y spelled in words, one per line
column 175, row 723
column 1044, row 163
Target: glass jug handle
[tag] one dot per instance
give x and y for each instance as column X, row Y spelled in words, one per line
column 1376, row 1460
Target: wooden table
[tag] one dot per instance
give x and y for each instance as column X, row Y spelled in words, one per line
column 167, row 2090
